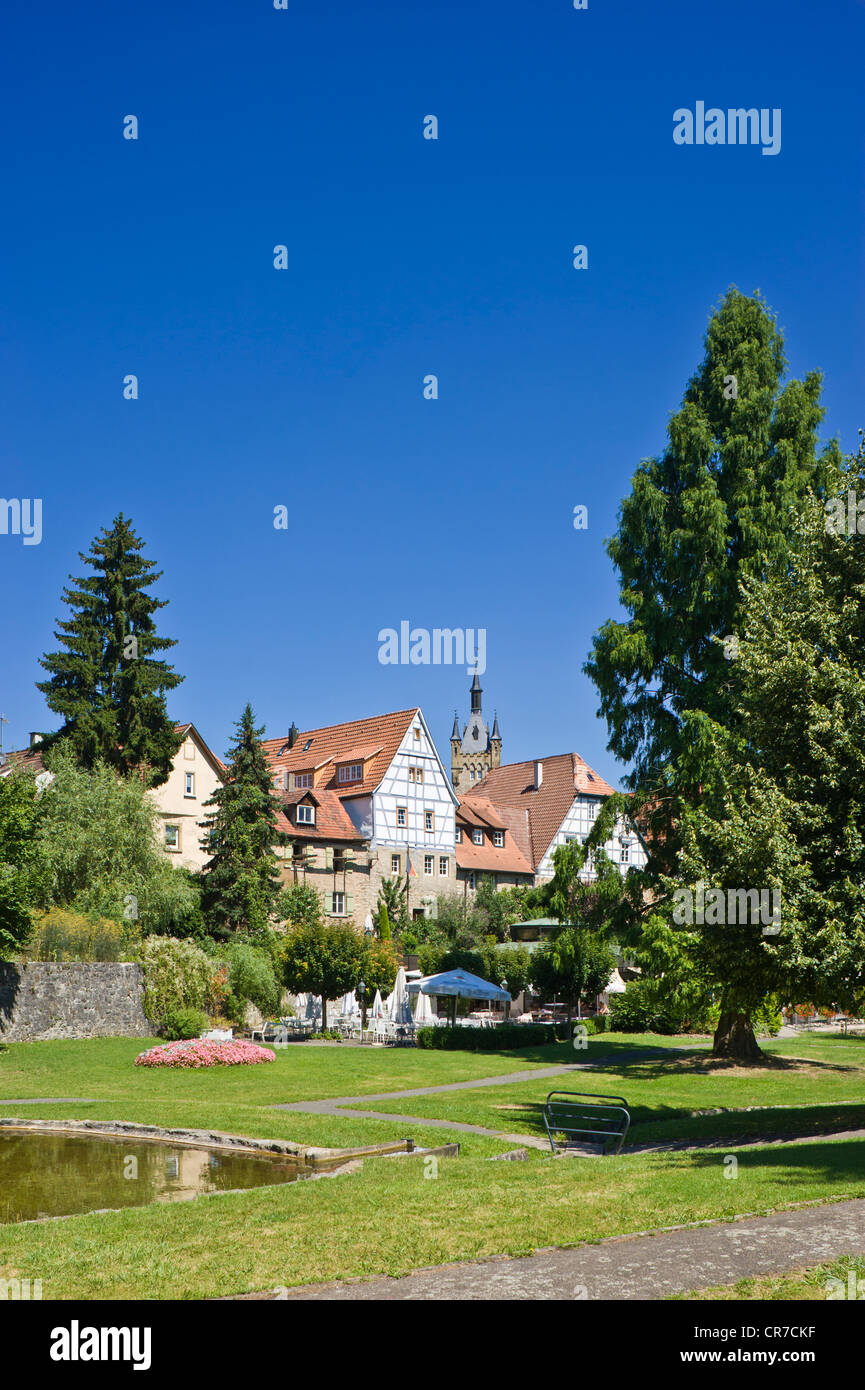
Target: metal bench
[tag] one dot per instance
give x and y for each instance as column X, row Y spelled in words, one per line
column 584, row 1118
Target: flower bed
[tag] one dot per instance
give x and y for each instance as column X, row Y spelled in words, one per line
column 200, row 1052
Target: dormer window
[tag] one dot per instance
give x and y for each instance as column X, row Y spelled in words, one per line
column 302, row 779
column 477, row 837
column 499, row 839
column 306, row 814
column 351, row 772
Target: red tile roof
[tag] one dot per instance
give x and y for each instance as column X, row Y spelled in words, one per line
column 355, row 741
column 565, row 776
column 332, row 821
column 476, row 811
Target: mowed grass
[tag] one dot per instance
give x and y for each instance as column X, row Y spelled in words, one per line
column 394, row 1215
column 805, row 1086
column 808, row 1285
column 392, row 1218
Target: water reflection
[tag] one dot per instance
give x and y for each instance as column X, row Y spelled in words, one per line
column 64, row 1174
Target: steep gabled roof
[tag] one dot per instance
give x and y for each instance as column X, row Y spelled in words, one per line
column 376, row 740
column 565, row 776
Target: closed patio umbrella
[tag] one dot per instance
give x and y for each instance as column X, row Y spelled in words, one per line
column 423, row 1009
column 400, row 1009
column 377, row 1010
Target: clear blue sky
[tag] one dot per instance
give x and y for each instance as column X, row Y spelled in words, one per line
column 408, row 257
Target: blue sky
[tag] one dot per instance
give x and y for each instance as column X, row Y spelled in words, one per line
column 303, row 387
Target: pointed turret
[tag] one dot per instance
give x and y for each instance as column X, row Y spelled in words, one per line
column 477, row 692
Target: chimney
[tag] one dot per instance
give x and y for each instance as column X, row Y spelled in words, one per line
column 539, row 775
column 292, row 735
column 35, row 740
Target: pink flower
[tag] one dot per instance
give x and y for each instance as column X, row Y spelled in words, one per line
column 196, row 1052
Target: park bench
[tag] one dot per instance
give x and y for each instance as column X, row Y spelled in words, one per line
column 583, row 1119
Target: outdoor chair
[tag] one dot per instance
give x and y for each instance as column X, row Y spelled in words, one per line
column 583, row 1118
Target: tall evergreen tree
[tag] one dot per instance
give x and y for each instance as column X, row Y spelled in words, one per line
column 240, row 886
column 782, row 805
column 715, row 508
column 109, row 682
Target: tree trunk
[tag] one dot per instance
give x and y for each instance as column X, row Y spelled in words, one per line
column 323, row 1014
column 734, row 1037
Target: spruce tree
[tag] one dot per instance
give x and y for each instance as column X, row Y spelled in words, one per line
column 240, row 886
column 109, row 682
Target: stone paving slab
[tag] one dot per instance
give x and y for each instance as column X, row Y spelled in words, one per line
column 640, row 1267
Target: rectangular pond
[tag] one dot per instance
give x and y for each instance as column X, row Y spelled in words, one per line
column 56, row 1174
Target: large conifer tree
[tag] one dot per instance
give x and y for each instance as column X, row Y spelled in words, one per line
column 109, row 681
column 715, row 508
column 240, row 885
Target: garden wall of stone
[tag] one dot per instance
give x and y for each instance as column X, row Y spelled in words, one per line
column 52, row 999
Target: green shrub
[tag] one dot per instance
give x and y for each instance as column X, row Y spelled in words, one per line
column 183, row 1023
column 648, row 1006
column 505, row 1036
column 252, row 978
column 767, row 1018
column 177, row 975
column 70, row 936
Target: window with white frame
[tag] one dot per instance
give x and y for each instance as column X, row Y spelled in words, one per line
column 401, row 816
column 415, row 774
column 458, row 834
column 428, row 864
column 351, row 772
column 172, row 837
column 429, row 820
column 477, row 837
column 444, row 866
column 626, row 852
column 395, row 864
column 499, row 839
column 189, row 784
column 337, row 904
column 305, row 814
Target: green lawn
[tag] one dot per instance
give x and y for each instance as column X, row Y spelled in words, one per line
column 393, row 1217
column 809, row 1285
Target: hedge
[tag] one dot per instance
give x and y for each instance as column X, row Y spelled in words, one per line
column 505, row 1036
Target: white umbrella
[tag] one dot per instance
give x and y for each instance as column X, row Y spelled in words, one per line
column 349, row 1006
column 368, row 925
column 377, row 1010
column 616, row 984
column 400, row 1008
column 423, row 1011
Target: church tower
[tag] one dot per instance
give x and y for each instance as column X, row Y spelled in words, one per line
column 475, row 750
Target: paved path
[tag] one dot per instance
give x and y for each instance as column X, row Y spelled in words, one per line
column 50, row 1100
column 646, row 1266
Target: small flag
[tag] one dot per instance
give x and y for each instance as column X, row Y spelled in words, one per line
column 411, row 872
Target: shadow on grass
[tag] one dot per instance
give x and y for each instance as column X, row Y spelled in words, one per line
column 842, row 1162
column 666, row 1125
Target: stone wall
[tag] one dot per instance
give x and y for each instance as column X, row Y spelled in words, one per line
column 51, row 999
